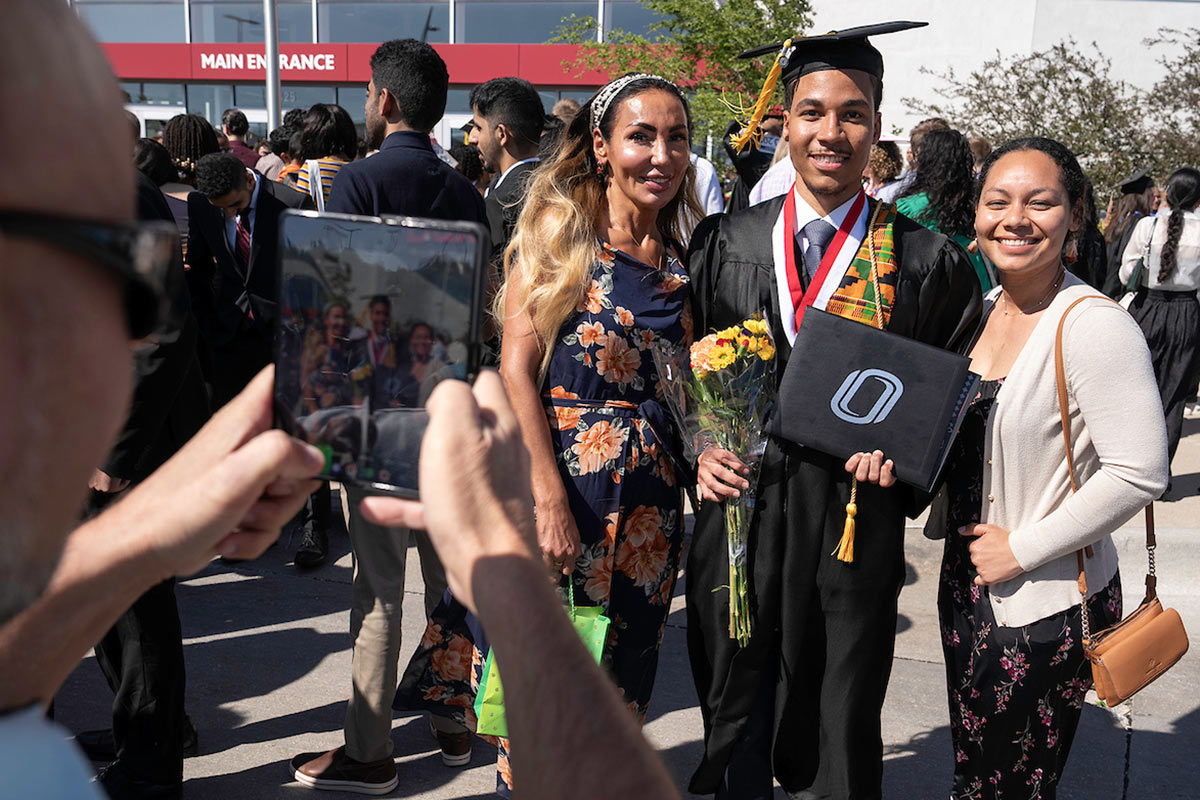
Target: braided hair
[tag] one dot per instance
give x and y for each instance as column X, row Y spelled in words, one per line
column 1183, row 193
column 188, row 138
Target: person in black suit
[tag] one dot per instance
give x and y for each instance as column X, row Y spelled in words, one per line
column 233, row 224
column 142, row 654
column 405, row 98
column 507, row 127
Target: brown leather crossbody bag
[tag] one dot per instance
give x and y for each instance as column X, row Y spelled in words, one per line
column 1146, row 643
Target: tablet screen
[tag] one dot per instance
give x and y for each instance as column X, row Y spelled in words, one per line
column 373, row 314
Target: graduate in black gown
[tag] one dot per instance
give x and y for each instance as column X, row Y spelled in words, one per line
column 1135, row 200
column 801, row 703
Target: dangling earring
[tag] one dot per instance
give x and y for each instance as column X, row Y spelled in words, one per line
column 600, row 170
column 1072, row 254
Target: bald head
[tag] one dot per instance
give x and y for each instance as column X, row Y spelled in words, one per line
column 64, row 353
column 52, row 70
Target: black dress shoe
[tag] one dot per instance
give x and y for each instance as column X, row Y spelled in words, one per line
column 120, row 786
column 313, row 549
column 98, row 745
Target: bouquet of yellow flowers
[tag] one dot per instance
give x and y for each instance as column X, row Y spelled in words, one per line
column 720, row 392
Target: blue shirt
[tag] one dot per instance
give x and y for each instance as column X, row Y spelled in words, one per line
column 406, row 178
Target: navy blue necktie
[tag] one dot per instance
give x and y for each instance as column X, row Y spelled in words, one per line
column 819, row 234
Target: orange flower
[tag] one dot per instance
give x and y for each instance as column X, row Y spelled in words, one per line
column 648, row 338
column 590, row 333
column 565, row 417
column 610, row 529
column 453, row 663
column 505, row 770
column 598, row 445
column 433, row 635
column 643, row 525
column 587, row 359
column 599, row 579
column 643, row 564
column 617, row 362
column 591, row 299
column 624, row 316
column 670, row 282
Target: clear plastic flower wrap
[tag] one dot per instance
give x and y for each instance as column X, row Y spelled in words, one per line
column 720, row 391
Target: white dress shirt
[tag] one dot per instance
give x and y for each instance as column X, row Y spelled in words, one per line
column 804, row 215
column 1186, row 275
column 231, row 222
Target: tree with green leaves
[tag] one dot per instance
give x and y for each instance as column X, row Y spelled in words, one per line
column 1174, row 102
column 1065, row 93
column 695, row 43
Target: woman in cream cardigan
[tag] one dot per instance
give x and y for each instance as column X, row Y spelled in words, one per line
column 1008, row 602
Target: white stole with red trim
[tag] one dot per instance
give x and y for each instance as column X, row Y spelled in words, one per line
column 837, row 272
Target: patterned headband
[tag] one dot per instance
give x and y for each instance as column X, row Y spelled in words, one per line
column 605, row 96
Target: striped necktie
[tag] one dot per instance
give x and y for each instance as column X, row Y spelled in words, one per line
column 242, row 251
column 819, row 234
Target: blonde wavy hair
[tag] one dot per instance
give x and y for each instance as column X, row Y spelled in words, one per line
column 548, row 261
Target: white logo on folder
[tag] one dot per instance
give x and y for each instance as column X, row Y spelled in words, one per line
column 893, row 387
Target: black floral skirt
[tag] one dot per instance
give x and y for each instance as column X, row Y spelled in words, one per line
column 1015, row 693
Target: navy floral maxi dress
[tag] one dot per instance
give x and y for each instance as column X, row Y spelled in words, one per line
column 1015, row 693
column 616, row 452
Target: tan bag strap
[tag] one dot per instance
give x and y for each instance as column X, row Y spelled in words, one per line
column 1060, row 375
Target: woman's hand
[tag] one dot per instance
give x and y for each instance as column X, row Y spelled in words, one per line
column 872, row 468
column 557, row 536
column 720, row 475
column 991, row 554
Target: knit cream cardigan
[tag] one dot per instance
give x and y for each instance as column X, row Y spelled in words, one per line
column 1119, row 442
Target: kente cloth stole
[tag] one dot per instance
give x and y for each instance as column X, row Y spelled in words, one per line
column 855, row 296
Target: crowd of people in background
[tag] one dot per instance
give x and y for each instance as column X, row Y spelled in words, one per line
column 611, row 235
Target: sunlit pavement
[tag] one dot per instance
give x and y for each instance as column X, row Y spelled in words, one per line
column 269, row 663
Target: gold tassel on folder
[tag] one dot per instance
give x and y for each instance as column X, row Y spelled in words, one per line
column 845, row 548
column 750, row 131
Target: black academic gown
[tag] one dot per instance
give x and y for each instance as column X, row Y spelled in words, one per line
column 823, row 630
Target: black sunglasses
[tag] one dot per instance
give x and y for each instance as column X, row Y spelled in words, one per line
column 139, row 255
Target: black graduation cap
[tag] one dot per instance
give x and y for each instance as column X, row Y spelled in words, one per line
column 1136, row 183
column 800, row 55
column 844, row 49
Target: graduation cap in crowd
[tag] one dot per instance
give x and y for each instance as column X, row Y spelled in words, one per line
column 1136, row 183
column 466, row 129
column 801, row 55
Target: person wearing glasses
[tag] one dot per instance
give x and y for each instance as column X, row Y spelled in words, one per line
column 67, row 243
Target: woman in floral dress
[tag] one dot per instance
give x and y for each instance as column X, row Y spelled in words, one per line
column 595, row 279
column 1008, row 600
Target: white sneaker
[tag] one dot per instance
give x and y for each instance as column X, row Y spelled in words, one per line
column 1192, row 411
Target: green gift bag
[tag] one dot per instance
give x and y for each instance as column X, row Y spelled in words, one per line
column 592, row 627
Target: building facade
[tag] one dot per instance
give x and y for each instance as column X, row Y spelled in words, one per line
column 204, row 56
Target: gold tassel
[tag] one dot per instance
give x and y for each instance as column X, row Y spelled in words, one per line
column 845, row 548
column 750, row 131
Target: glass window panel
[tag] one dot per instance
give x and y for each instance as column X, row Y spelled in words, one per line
column 458, row 101
column 629, row 16
column 513, row 22
column 376, row 20
column 226, row 21
column 293, row 95
column 250, row 95
column 155, row 94
column 354, row 100
column 209, row 100
column 133, row 20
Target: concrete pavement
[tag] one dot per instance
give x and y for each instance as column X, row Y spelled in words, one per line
column 269, row 661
